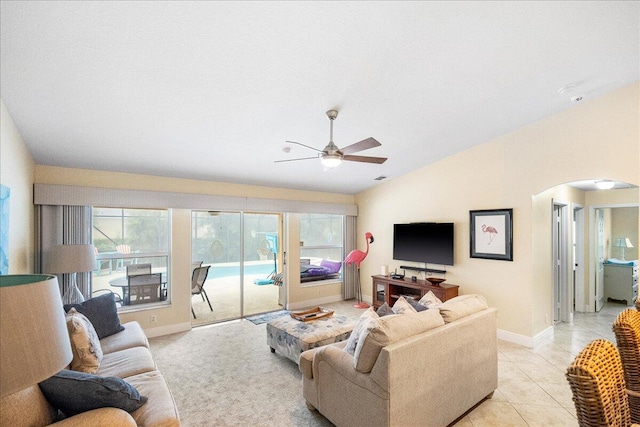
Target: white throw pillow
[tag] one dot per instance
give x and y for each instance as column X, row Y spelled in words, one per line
column 430, row 300
column 367, row 321
column 85, row 345
column 402, row 306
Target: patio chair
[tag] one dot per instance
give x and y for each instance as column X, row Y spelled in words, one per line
column 121, row 262
column 102, row 262
column 198, row 278
column 627, row 331
column 134, row 270
column 598, row 386
column 145, row 287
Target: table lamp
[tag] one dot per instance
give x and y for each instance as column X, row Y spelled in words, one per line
column 622, row 243
column 71, row 259
column 34, row 342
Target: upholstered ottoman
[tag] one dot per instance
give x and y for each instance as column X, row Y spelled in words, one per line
column 290, row 337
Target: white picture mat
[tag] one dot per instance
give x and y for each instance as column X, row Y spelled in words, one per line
column 492, row 238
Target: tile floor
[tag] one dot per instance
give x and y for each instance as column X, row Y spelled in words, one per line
column 532, row 389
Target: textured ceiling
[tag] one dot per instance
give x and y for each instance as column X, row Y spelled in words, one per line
column 211, row 90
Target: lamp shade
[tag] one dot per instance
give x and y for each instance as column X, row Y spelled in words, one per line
column 34, row 342
column 71, row 259
column 623, row 242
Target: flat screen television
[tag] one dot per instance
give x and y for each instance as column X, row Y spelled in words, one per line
column 427, row 242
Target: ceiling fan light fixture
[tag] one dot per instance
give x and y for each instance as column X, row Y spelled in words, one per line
column 331, row 160
column 605, row 184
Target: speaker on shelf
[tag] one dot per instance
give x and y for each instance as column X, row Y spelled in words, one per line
column 384, row 270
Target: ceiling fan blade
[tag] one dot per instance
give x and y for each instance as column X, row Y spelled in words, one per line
column 299, row 143
column 365, row 144
column 293, row 160
column 365, row 159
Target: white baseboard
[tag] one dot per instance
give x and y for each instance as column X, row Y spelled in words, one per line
column 524, row 340
column 543, row 334
column 313, row 302
column 169, row 329
column 515, row 338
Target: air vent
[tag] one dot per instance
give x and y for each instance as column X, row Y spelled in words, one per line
column 380, row 178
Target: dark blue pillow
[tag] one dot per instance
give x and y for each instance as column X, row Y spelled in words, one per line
column 415, row 304
column 101, row 312
column 74, row 392
column 384, row 310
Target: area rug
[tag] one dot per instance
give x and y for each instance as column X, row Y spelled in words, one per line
column 264, row 318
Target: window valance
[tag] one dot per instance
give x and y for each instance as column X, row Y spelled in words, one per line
column 52, row 194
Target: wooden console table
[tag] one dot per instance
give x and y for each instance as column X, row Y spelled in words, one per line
column 386, row 289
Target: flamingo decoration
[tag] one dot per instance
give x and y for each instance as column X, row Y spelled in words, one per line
column 356, row 257
column 492, row 232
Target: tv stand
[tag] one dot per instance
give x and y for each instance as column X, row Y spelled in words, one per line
column 386, row 289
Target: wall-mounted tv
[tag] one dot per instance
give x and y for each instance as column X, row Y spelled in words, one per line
column 427, row 242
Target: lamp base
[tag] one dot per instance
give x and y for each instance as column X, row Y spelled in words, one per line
column 72, row 294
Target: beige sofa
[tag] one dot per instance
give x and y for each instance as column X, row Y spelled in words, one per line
column 126, row 356
column 426, row 368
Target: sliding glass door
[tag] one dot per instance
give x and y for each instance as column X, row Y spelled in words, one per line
column 216, row 243
column 242, row 251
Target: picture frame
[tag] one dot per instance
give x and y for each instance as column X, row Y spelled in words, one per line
column 491, row 232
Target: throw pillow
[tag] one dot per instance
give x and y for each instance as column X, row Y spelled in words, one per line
column 102, row 312
column 415, row 304
column 392, row 329
column 401, row 306
column 384, row 310
column 85, row 345
column 333, row 266
column 430, row 298
column 75, row 392
column 367, row 321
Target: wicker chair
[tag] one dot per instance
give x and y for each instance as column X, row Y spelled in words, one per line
column 627, row 331
column 598, row 387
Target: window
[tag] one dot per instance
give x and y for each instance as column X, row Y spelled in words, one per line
column 132, row 242
column 322, row 241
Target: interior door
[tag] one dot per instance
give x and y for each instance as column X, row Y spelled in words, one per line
column 561, row 293
column 600, row 254
column 578, row 259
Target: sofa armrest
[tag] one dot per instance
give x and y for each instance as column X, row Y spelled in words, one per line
column 335, row 359
column 102, row 417
column 306, row 359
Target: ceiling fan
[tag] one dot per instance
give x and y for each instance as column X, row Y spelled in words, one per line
column 331, row 156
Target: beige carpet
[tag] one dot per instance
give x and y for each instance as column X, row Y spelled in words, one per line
column 225, row 375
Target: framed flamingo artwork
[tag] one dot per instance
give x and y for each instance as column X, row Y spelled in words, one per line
column 492, row 234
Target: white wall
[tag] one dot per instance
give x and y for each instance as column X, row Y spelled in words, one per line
column 506, row 173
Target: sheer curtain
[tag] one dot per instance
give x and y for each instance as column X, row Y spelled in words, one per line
column 350, row 271
column 63, row 225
